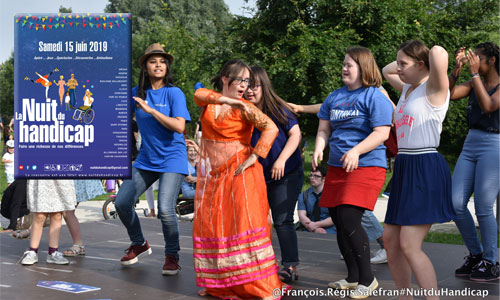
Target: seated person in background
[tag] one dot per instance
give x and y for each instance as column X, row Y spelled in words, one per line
column 312, row 217
column 189, row 184
column 317, row 219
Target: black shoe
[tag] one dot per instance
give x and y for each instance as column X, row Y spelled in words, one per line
column 485, row 271
column 469, row 263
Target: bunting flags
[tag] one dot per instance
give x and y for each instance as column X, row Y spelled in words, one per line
column 57, row 21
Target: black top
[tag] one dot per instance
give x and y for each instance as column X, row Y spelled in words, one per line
column 477, row 119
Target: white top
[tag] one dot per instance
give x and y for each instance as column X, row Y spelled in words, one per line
column 88, row 101
column 418, row 122
column 9, row 167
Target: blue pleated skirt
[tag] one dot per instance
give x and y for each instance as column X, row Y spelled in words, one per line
column 421, row 189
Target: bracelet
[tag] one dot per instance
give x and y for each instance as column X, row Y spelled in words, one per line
column 474, row 75
column 453, row 76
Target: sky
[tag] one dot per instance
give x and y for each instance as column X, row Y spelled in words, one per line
column 8, row 8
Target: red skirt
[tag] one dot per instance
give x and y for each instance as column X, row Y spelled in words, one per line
column 359, row 188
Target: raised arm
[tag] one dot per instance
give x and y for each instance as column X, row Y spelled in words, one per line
column 306, row 109
column 486, row 102
column 462, row 90
column 266, row 126
column 391, row 75
column 437, row 84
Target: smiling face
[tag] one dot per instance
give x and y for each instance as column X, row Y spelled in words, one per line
column 156, row 67
column 192, row 154
column 351, row 73
column 238, row 86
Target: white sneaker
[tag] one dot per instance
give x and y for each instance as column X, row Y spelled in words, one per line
column 57, row 258
column 29, row 258
column 380, row 257
column 361, row 291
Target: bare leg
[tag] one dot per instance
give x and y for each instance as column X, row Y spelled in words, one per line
column 55, row 229
column 37, row 229
column 400, row 269
column 150, row 197
column 73, row 226
column 411, row 239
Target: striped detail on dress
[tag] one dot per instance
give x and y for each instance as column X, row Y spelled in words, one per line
column 234, row 260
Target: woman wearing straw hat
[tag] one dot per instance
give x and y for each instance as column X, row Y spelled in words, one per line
column 161, row 113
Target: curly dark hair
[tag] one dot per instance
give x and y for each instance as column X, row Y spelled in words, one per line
column 490, row 50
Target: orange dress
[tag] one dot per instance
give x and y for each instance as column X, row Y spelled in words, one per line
column 232, row 249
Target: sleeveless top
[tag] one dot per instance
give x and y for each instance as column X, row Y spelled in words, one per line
column 418, row 122
column 477, row 119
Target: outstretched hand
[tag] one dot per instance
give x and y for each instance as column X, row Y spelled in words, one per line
column 142, row 104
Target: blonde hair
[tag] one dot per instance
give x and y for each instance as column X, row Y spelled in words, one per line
column 370, row 74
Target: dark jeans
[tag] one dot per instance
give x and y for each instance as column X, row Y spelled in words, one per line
column 282, row 196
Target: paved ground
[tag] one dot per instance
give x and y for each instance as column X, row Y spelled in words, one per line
column 106, row 240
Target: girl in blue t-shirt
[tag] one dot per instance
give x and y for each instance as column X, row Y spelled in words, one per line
column 283, row 169
column 161, row 113
column 355, row 120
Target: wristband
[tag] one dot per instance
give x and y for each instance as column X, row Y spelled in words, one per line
column 474, row 75
column 453, row 76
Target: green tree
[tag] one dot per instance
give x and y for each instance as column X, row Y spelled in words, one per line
column 7, row 88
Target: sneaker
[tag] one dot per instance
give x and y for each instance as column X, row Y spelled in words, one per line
column 29, row 258
column 171, row 266
column 469, row 262
column 342, row 285
column 134, row 252
column 57, row 258
column 380, row 257
column 362, row 291
column 386, row 195
column 485, row 271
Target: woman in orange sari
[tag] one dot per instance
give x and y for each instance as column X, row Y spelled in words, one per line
column 233, row 254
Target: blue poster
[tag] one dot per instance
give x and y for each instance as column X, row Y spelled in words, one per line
column 67, row 286
column 72, row 95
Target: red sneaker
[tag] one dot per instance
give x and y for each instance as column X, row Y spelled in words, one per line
column 134, row 252
column 171, row 266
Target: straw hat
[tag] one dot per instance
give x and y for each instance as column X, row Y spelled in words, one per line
column 156, row 48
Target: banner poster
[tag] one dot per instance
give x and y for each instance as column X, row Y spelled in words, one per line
column 72, row 95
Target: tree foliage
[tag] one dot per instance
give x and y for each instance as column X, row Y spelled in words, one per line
column 7, row 88
column 301, row 43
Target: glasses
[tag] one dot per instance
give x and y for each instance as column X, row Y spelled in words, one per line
column 240, row 80
column 315, row 176
column 256, row 87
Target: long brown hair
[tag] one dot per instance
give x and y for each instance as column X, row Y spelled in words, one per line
column 272, row 104
column 370, row 74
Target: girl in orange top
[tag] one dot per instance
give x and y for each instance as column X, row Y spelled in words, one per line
column 233, row 254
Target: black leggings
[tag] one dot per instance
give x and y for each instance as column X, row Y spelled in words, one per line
column 353, row 243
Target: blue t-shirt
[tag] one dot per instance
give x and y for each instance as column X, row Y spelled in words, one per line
column 294, row 161
column 352, row 116
column 186, row 185
column 312, row 198
column 162, row 150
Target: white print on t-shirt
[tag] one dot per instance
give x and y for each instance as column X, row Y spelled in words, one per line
column 337, row 114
